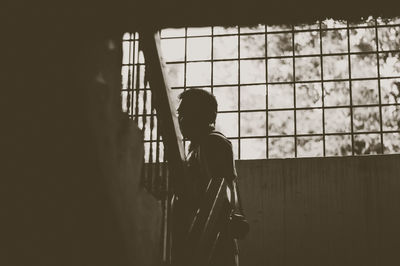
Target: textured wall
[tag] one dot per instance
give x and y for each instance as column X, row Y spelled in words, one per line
column 322, row 211
column 69, row 183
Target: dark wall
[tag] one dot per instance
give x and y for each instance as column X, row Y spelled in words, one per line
column 321, row 211
column 70, row 190
column 125, row 14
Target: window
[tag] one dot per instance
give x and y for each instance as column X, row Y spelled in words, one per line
column 331, row 88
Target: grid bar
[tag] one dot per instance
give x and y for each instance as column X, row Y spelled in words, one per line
column 289, row 82
column 283, row 31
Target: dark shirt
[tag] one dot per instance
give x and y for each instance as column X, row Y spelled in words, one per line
column 211, row 157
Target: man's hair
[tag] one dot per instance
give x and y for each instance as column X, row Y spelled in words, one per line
column 200, row 104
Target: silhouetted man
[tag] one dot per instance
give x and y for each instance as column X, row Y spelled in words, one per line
column 210, row 156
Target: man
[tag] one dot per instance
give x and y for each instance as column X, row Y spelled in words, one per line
column 210, row 156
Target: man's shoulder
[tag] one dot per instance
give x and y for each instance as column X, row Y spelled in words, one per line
column 217, row 140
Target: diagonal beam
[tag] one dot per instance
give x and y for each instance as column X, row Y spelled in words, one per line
column 172, row 137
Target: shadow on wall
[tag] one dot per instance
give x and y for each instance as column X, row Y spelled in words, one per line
column 119, row 153
column 71, row 193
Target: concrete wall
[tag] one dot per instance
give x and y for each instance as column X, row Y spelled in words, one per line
column 322, row 211
column 70, row 190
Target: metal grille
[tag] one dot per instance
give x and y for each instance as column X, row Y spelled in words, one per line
column 325, row 89
column 137, row 97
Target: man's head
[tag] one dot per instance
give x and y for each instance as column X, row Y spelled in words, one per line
column 196, row 112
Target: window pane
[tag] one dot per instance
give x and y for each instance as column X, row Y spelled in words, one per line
column 225, row 30
column 252, row 124
column 369, row 21
column 252, row 46
column 280, row 96
column 307, row 26
column 235, row 148
column 280, row 70
column 127, row 36
column 141, row 101
column 154, row 147
column 363, row 66
column 175, row 74
column 365, row 92
column 125, row 71
column 391, row 117
column 362, row 40
column 309, row 146
column 389, row 64
column 308, row 95
column 367, row 144
column 253, row 148
column 252, row 71
column 334, row 41
column 365, row 119
column 173, row 49
column 391, row 142
column 335, row 67
column 389, row 38
column 225, row 47
column 225, row 72
column 252, row 97
column 309, row 121
column 199, row 48
column 280, row 123
column 279, row 44
column 251, row 29
column 171, row 32
column 127, row 55
column 198, row 31
column 131, row 71
column 306, row 43
column 124, row 98
column 198, row 74
column 147, row 128
column 281, row 147
column 206, row 89
column 227, row 124
column 337, row 120
column 332, row 23
column 283, row 27
column 390, row 90
column 308, row 68
column 338, row 145
column 174, row 93
column 227, row 98
column 336, row 93
column 388, row 21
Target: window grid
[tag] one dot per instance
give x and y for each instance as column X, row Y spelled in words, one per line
column 137, row 98
column 283, row 31
column 239, row 95
column 379, row 84
column 296, row 80
column 322, row 87
column 294, row 94
column 350, row 90
column 266, row 94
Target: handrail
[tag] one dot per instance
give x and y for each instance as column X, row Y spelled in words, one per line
column 172, row 138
